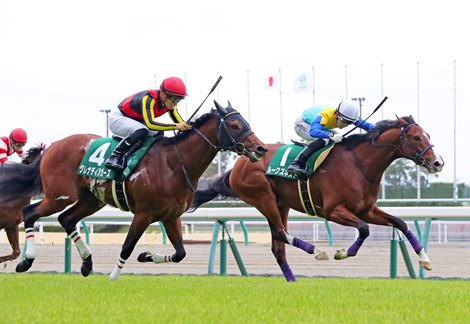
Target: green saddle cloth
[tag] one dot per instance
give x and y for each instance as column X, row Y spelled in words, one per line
column 92, row 164
column 287, row 153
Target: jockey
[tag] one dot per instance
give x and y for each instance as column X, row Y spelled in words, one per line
column 12, row 144
column 134, row 118
column 316, row 126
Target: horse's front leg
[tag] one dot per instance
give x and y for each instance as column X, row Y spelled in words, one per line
column 173, row 230
column 379, row 217
column 13, row 238
column 139, row 224
column 341, row 215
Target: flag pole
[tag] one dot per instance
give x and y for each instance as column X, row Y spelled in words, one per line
column 418, row 169
column 456, row 191
column 382, row 94
column 313, row 85
column 280, row 105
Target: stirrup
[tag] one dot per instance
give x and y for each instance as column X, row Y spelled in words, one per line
column 113, row 163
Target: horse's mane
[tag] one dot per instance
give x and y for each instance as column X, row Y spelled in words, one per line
column 166, row 141
column 32, row 153
column 380, row 127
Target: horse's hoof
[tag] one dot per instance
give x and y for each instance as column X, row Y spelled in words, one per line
column 24, row 265
column 425, row 265
column 341, row 254
column 87, row 266
column 145, row 257
column 322, row 256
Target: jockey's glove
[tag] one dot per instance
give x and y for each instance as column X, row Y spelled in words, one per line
column 336, row 137
column 183, row 126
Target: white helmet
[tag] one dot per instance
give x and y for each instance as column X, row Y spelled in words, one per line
column 348, row 110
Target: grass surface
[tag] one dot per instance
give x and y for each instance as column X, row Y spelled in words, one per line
column 62, row 298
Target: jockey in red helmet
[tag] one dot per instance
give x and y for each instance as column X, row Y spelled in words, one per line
column 12, row 144
column 135, row 117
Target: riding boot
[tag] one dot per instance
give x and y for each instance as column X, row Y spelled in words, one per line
column 116, row 160
column 299, row 165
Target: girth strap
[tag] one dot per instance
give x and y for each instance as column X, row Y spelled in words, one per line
column 305, row 196
column 120, row 196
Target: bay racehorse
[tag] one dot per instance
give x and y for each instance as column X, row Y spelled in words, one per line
column 160, row 188
column 11, row 213
column 344, row 188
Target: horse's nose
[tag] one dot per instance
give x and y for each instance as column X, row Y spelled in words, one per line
column 438, row 164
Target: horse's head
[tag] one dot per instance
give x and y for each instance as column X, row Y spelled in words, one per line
column 235, row 134
column 415, row 144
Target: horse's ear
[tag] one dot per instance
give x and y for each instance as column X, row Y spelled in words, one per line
column 229, row 104
column 401, row 120
column 222, row 111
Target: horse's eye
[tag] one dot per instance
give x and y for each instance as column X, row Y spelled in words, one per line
column 234, row 127
column 417, row 138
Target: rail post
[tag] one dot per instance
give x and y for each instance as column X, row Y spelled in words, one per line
column 223, row 251
column 393, row 255
column 68, row 255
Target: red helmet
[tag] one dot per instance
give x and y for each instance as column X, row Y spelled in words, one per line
column 174, row 86
column 19, row 135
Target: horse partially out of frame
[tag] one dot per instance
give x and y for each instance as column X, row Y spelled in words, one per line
column 344, row 189
column 11, row 213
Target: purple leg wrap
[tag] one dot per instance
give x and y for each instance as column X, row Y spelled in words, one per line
column 413, row 241
column 307, row 247
column 352, row 251
column 287, row 272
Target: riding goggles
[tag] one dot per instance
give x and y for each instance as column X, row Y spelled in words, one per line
column 175, row 99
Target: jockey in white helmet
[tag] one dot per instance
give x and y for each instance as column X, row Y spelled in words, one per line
column 316, row 126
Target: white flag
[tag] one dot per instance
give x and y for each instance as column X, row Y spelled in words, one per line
column 303, row 82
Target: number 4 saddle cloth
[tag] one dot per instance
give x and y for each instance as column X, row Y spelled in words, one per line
column 92, row 164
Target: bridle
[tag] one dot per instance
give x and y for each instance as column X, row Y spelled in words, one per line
column 417, row 156
column 227, row 140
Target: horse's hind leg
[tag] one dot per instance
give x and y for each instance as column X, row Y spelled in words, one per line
column 13, row 238
column 86, row 205
column 31, row 214
column 379, row 217
column 343, row 216
column 173, row 230
column 138, row 225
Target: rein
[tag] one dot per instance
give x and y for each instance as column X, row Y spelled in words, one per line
column 236, row 146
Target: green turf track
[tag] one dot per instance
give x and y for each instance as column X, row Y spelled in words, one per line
column 61, row 298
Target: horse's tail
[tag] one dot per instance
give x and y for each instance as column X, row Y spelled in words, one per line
column 217, row 187
column 20, row 180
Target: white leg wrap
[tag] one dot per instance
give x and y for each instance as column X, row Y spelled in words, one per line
column 114, row 275
column 30, row 252
column 423, row 256
column 82, row 248
column 161, row 258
